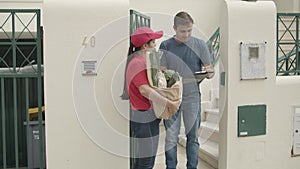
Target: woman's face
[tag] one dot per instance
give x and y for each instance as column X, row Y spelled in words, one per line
column 150, row 45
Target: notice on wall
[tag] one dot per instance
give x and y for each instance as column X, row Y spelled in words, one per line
column 89, row 68
column 253, row 64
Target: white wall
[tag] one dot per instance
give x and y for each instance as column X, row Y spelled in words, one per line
column 239, row 23
column 286, row 5
column 297, row 6
column 84, row 127
column 283, row 6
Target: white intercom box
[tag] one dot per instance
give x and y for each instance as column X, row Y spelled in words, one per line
column 253, row 64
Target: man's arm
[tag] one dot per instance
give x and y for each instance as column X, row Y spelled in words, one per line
column 152, row 95
column 206, row 60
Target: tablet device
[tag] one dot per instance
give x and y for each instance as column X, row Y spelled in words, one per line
column 200, row 75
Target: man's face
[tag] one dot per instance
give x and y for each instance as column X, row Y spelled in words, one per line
column 183, row 32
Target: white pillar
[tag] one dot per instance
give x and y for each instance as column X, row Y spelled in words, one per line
column 80, row 134
column 243, row 21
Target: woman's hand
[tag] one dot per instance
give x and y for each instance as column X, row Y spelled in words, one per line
column 173, row 106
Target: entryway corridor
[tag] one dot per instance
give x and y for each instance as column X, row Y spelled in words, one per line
column 160, row 158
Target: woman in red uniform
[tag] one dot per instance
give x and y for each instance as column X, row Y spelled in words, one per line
column 144, row 124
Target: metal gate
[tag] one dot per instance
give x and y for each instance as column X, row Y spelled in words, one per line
column 136, row 20
column 21, row 86
column 288, row 51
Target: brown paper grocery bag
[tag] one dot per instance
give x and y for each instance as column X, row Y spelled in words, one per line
column 172, row 93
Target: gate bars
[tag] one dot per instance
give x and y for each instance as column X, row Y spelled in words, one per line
column 21, row 46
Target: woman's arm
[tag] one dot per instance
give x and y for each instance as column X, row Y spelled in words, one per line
column 152, row 95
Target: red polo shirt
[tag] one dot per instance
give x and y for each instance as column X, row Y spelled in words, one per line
column 136, row 75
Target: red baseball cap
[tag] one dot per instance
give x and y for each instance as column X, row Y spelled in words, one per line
column 144, row 34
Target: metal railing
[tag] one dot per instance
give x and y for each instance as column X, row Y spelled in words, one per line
column 214, row 45
column 138, row 19
column 288, row 58
column 21, row 85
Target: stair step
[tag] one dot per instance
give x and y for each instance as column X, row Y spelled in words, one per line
column 214, row 98
column 209, row 131
column 210, row 126
column 212, row 115
column 215, row 111
column 208, row 151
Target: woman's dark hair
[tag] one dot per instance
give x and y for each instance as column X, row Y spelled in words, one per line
column 130, row 55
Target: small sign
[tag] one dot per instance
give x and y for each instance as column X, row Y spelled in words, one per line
column 245, row 133
column 89, row 68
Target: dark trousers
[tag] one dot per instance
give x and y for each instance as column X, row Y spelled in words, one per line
column 144, row 128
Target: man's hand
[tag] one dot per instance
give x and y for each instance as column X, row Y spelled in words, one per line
column 210, row 70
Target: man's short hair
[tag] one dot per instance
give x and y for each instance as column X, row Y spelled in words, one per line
column 183, row 18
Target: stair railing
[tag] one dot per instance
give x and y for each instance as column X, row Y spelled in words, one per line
column 214, row 46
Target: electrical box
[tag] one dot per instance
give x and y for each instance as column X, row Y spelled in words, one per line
column 296, row 132
column 253, row 64
column 222, row 78
column 251, row 120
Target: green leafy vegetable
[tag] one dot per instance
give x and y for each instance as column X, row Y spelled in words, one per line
column 171, row 76
column 155, row 65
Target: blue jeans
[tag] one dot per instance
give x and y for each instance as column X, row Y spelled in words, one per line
column 145, row 135
column 191, row 118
